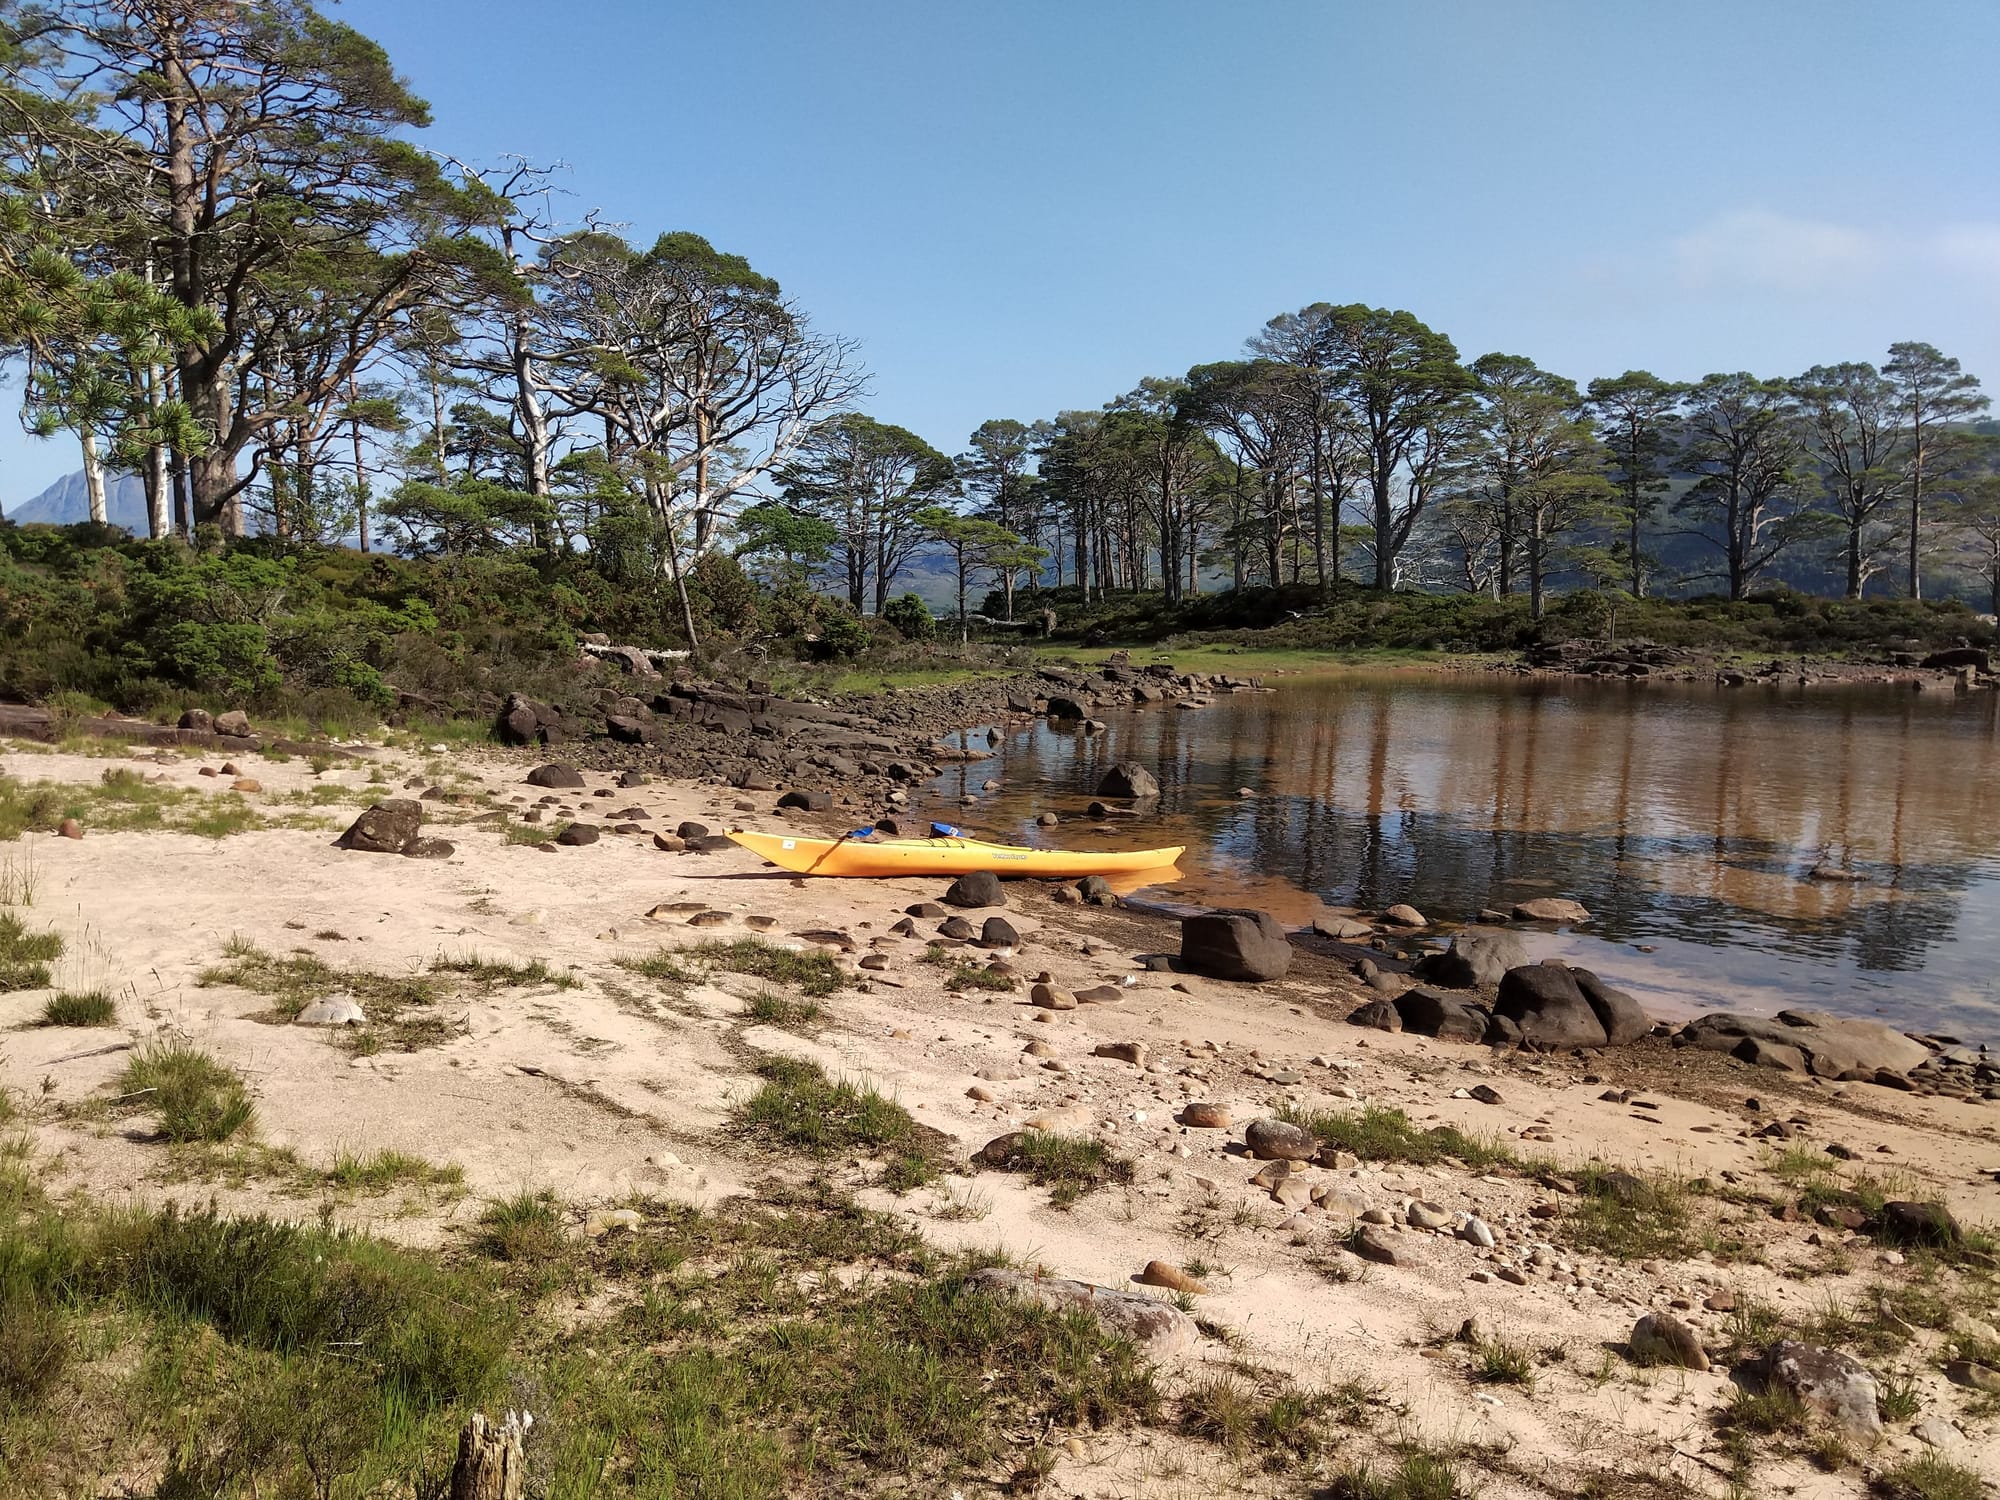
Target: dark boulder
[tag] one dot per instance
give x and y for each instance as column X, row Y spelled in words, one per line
column 1377, row 1015
column 1128, row 780
column 806, row 801
column 958, row 928
column 1477, row 959
column 1065, row 709
column 633, row 778
column 1906, row 1223
column 1096, row 891
column 627, row 730
column 979, row 888
column 1617, row 1012
column 1248, row 946
column 577, row 835
column 1956, row 658
column 1448, row 1017
column 199, row 720
column 386, row 828
column 1546, row 1002
column 235, row 724
column 688, row 832
column 429, row 849
column 998, row 932
column 555, row 774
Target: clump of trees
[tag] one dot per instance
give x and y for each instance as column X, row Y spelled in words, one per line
column 229, row 265
column 1353, row 443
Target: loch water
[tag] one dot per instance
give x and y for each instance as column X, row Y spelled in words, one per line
column 1686, row 817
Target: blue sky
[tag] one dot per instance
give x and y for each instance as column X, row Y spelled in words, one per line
column 1019, row 207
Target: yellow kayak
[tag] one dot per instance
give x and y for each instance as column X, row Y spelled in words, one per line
column 944, row 856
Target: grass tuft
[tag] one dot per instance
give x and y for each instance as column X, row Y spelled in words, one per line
column 800, row 1106
column 1067, row 1165
column 1929, row 1476
column 769, row 1008
column 194, row 1097
column 1376, row 1134
column 90, row 1008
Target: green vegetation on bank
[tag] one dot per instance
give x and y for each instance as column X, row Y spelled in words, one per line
column 1293, row 627
column 800, row 1345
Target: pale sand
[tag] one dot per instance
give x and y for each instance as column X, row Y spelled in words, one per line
column 617, row 1089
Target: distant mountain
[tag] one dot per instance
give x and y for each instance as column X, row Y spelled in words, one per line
column 65, row 503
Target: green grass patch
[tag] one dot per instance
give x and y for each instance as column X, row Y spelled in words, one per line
column 193, row 1096
column 499, row 974
column 25, row 956
column 526, row 1228
column 815, row 973
column 383, row 1170
column 70, row 1008
column 1279, row 1429
column 1632, row 1218
column 405, row 1012
column 973, row 977
column 1376, row 1134
column 1496, row 1361
column 1929, row 1476
column 1418, row 1474
column 769, row 1008
column 123, row 801
column 1067, row 1165
column 800, row 1106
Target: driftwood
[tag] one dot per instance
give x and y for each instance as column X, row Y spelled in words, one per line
column 490, row 1463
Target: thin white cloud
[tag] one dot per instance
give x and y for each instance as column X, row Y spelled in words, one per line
column 1755, row 247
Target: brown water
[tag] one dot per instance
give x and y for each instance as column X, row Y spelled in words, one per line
column 1685, row 817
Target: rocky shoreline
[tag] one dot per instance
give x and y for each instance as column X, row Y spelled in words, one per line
column 1963, row 668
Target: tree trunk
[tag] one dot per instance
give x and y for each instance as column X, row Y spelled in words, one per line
column 1535, row 571
column 1854, row 559
column 1638, row 568
column 360, row 473
column 1917, row 507
column 93, row 474
column 158, row 484
column 490, row 1463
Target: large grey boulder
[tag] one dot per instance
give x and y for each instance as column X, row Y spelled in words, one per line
column 1241, row 945
column 555, row 774
column 1549, row 1006
column 1836, row 1385
column 1128, row 780
column 1448, row 1017
column 389, row 827
column 1157, row 1327
column 1831, row 1046
column 1479, row 957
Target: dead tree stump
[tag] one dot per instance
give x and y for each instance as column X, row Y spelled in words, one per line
column 490, row 1465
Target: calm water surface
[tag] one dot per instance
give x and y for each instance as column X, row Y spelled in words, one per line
column 1684, row 817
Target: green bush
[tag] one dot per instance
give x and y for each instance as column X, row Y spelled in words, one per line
column 911, row 617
